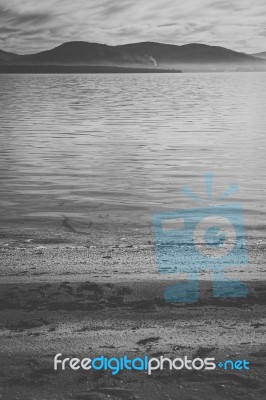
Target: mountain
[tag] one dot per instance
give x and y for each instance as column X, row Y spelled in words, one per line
column 260, row 55
column 188, row 53
column 189, row 57
column 6, row 57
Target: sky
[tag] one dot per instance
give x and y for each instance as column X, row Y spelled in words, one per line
column 28, row 26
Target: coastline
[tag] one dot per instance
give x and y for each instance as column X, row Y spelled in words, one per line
column 115, row 312
column 89, row 319
column 80, row 69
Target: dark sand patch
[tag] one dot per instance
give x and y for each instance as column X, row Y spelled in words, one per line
column 91, row 318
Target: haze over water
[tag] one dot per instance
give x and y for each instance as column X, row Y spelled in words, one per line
column 120, row 147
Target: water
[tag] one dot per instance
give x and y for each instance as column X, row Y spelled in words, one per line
column 119, row 147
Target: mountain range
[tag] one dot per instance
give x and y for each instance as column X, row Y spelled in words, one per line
column 152, row 55
column 260, row 55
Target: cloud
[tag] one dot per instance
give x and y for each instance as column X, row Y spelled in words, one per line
column 262, row 33
column 16, row 18
column 29, row 25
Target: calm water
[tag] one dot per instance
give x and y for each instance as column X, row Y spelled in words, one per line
column 119, row 147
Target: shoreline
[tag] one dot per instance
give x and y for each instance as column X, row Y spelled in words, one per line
column 79, row 69
column 89, row 319
column 98, row 292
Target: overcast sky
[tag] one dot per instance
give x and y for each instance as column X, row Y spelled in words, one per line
column 33, row 25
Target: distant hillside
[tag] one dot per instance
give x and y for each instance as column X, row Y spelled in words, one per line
column 188, row 53
column 6, row 57
column 188, row 57
column 260, row 55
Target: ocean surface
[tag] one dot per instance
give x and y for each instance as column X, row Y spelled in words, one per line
column 119, row 148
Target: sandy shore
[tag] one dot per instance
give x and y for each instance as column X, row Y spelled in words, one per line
column 101, row 294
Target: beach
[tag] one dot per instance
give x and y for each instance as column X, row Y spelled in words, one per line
column 84, row 296
column 88, row 162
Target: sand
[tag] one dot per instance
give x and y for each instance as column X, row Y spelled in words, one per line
column 85, row 296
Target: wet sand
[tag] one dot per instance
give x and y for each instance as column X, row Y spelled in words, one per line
column 88, row 295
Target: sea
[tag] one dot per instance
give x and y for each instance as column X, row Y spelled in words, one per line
column 122, row 147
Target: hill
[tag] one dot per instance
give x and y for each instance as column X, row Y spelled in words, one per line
column 260, row 55
column 189, row 57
